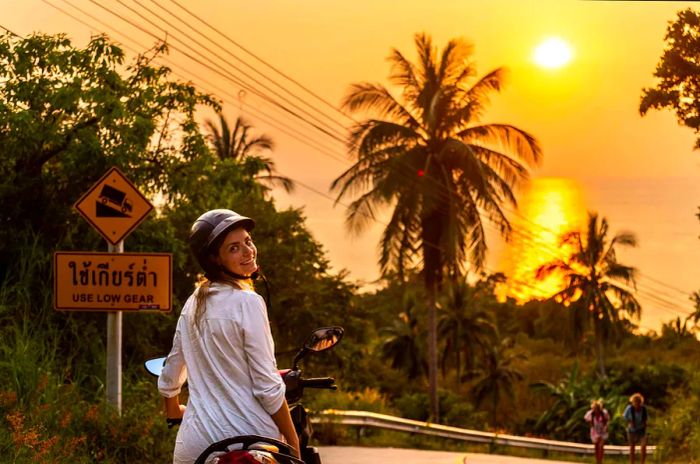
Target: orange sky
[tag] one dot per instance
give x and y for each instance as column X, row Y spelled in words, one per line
column 584, row 115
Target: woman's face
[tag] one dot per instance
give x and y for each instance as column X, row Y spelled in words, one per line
column 237, row 253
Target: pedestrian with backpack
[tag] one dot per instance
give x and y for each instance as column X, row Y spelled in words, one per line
column 636, row 416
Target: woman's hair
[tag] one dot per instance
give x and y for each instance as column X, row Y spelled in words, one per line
column 598, row 403
column 202, row 292
column 637, row 396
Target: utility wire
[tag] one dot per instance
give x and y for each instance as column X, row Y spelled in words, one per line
column 251, row 67
column 271, row 120
column 341, row 135
column 217, row 71
column 290, row 79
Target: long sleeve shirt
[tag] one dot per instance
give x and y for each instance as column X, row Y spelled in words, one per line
column 229, row 363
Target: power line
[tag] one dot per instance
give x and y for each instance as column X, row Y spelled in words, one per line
column 259, row 114
column 252, row 68
column 217, row 71
column 229, row 63
column 11, row 32
column 298, row 84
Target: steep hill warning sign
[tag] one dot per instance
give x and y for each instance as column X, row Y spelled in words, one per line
column 113, row 206
column 85, row 281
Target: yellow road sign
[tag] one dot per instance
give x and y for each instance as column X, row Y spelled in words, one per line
column 86, row 281
column 113, row 206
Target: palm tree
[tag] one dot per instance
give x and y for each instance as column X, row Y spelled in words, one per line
column 496, row 377
column 595, row 279
column 240, row 147
column 466, row 327
column 430, row 158
column 401, row 343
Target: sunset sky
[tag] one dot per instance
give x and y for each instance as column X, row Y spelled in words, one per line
column 599, row 153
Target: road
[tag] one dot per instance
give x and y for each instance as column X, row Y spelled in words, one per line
column 359, row 455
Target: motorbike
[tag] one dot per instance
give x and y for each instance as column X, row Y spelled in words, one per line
column 254, row 449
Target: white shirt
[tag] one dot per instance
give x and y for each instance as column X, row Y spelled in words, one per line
column 234, row 384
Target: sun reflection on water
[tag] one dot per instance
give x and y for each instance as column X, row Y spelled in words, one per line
column 549, row 208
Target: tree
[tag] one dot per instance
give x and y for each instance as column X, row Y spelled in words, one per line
column 678, row 72
column 441, row 170
column 401, row 341
column 465, row 325
column 594, row 278
column 497, row 375
column 237, row 146
column 67, row 115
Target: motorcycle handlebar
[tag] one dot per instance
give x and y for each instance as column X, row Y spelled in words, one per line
column 173, row 422
column 320, row 382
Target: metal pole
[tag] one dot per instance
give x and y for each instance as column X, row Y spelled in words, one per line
column 114, row 348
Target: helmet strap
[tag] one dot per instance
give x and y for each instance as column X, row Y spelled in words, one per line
column 253, row 276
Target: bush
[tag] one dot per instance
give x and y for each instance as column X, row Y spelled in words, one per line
column 678, row 431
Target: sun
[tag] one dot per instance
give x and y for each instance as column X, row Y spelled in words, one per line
column 553, row 53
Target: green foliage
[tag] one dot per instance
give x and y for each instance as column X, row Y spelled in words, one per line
column 677, row 72
column 456, row 411
column 68, row 114
column 678, row 432
column 572, row 398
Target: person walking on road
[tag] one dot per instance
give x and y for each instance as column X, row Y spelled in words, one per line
column 598, row 418
column 636, row 416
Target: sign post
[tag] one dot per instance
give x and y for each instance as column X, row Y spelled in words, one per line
column 114, row 348
column 118, row 281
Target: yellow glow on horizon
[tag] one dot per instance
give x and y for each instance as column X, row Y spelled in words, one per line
column 553, row 53
column 551, row 208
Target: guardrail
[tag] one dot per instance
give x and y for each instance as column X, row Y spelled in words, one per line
column 383, row 421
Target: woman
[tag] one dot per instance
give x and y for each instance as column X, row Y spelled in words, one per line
column 223, row 347
column 598, row 418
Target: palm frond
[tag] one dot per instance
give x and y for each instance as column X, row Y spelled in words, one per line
column 506, row 137
column 375, row 97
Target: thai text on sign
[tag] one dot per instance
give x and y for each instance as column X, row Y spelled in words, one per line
column 85, row 281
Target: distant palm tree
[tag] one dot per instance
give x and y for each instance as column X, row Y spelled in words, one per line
column 441, row 170
column 238, row 146
column 594, row 278
column 401, row 341
column 695, row 315
column 497, row 375
column 466, row 327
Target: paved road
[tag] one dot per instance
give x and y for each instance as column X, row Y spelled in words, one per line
column 359, row 455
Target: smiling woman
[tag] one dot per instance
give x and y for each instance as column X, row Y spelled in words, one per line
column 553, row 53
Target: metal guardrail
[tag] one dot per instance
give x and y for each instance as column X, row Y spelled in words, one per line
column 383, row 421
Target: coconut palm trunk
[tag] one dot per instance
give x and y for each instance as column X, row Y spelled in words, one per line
column 433, row 279
column 600, row 348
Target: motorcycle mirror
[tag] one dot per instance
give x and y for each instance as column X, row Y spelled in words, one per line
column 320, row 340
column 155, row 366
column 324, row 338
